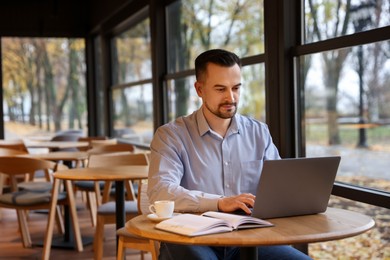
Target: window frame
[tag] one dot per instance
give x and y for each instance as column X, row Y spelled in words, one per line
column 345, row 190
column 140, row 15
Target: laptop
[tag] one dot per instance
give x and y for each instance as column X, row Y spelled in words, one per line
column 296, row 186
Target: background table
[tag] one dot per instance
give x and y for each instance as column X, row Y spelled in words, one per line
column 117, row 174
column 77, row 156
column 331, row 225
column 55, row 144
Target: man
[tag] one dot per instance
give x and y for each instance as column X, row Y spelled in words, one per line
column 212, row 159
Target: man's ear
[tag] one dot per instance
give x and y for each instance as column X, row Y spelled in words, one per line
column 198, row 87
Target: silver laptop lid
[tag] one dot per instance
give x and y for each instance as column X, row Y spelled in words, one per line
column 296, row 186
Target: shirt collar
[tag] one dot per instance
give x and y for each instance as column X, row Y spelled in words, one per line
column 203, row 126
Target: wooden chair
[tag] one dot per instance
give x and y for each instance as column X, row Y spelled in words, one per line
column 27, row 181
column 97, row 143
column 65, row 138
column 90, row 140
column 4, row 181
column 14, row 144
column 11, row 152
column 90, row 187
column 106, row 213
column 93, row 189
column 128, row 240
column 24, row 200
column 111, row 148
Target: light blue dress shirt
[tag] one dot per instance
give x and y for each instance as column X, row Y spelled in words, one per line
column 194, row 166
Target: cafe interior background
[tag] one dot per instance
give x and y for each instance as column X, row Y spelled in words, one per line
column 316, row 71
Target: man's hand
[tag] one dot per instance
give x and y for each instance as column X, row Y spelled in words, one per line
column 243, row 201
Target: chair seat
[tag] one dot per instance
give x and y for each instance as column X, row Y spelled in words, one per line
column 88, row 185
column 28, row 198
column 110, row 208
column 36, row 186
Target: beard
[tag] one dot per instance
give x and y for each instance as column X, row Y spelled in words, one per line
column 223, row 113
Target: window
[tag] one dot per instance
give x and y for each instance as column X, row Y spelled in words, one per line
column 345, row 85
column 252, row 100
column 132, row 95
column 182, row 96
column 196, row 26
column 347, row 112
column 329, row 19
column 346, row 107
column 44, row 86
column 131, row 54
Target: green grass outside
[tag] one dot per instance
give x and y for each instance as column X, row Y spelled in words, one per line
column 378, row 137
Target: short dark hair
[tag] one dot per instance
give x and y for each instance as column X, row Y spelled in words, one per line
column 217, row 56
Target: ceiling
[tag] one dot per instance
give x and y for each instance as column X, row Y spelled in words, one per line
column 56, row 18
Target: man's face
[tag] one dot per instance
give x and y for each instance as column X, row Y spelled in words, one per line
column 219, row 89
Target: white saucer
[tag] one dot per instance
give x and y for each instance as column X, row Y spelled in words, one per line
column 153, row 217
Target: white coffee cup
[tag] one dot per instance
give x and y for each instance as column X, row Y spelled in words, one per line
column 163, row 208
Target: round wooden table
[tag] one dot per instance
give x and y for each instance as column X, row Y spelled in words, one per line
column 332, row 225
column 117, row 174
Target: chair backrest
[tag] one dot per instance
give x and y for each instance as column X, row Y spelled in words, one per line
column 98, row 143
column 90, row 139
column 104, row 160
column 111, row 159
column 148, row 156
column 16, row 166
column 14, row 144
column 4, row 152
column 65, row 138
column 143, row 199
column 110, row 148
column 11, row 152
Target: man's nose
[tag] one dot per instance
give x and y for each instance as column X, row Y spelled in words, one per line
column 230, row 96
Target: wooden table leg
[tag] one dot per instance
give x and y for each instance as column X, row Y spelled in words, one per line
column 50, row 222
column 73, row 213
column 120, row 207
column 51, row 218
column 120, row 204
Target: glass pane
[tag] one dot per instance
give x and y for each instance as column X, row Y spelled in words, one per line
column 44, row 86
column 131, row 54
column 326, row 19
column 252, row 100
column 347, row 112
column 183, row 98
column 133, row 113
column 196, row 26
column 374, row 244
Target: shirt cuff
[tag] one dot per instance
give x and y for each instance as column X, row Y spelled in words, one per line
column 209, row 204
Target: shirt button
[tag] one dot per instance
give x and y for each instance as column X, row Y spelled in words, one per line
column 227, row 186
column 226, row 163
